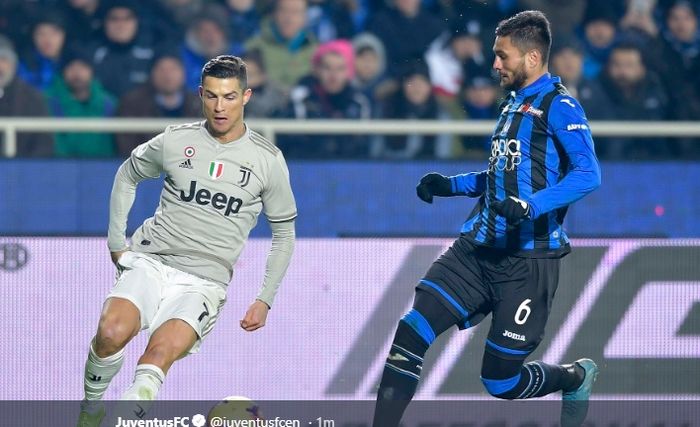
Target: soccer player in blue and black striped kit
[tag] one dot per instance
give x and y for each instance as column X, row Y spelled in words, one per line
column 506, row 260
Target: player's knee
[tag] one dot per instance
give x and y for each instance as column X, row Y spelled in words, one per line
column 411, row 341
column 113, row 334
column 420, row 326
column 502, row 388
column 501, row 375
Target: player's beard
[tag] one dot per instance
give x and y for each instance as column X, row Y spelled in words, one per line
column 518, row 78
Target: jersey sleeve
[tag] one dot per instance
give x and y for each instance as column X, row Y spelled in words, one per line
column 569, row 126
column 277, row 197
column 278, row 259
column 146, row 161
column 471, row 184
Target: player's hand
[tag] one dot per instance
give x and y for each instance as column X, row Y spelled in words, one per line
column 512, row 208
column 255, row 316
column 433, row 184
column 116, row 255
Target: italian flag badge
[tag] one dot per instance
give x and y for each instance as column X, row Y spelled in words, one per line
column 216, row 169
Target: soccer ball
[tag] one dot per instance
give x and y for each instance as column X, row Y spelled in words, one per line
column 235, row 408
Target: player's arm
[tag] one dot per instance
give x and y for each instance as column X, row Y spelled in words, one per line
column 281, row 250
column 471, row 184
column 146, row 161
column 569, row 124
column 280, row 209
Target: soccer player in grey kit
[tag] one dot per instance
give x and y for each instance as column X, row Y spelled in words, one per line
column 172, row 280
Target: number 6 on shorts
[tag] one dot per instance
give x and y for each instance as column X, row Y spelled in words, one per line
column 523, row 312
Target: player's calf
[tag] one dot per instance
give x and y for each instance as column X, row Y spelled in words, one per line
column 168, row 343
column 535, row 379
column 416, row 332
column 119, row 322
column 509, row 378
column 171, row 341
column 401, row 374
column 404, row 363
column 506, row 388
column 99, row 372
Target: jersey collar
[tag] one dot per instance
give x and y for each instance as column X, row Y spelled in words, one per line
column 538, row 85
column 233, row 143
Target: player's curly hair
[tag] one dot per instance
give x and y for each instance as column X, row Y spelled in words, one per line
column 528, row 30
column 226, row 67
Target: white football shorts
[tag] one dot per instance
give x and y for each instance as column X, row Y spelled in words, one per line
column 162, row 293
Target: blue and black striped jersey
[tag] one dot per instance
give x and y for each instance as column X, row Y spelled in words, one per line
column 541, row 152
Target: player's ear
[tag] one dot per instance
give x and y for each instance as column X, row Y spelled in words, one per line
column 246, row 95
column 200, row 90
column 533, row 58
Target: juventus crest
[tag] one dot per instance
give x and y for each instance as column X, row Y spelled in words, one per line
column 245, row 176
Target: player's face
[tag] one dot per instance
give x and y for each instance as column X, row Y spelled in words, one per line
column 509, row 64
column 223, row 101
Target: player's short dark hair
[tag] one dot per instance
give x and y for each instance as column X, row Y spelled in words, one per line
column 226, row 67
column 528, row 30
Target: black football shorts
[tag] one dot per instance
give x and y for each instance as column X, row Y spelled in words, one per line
column 472, row 281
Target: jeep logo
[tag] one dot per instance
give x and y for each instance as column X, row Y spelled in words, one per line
column 218, row 200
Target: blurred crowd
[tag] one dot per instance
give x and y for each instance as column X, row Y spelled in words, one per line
column 347, row 59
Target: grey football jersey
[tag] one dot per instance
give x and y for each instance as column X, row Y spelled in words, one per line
column 211, row 198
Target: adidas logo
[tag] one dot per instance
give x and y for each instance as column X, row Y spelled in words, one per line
column 187, row 164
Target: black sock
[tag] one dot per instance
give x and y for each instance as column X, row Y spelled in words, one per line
column 540, row 379
column 400, row 376
column 405, row 361
column 533, row 379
